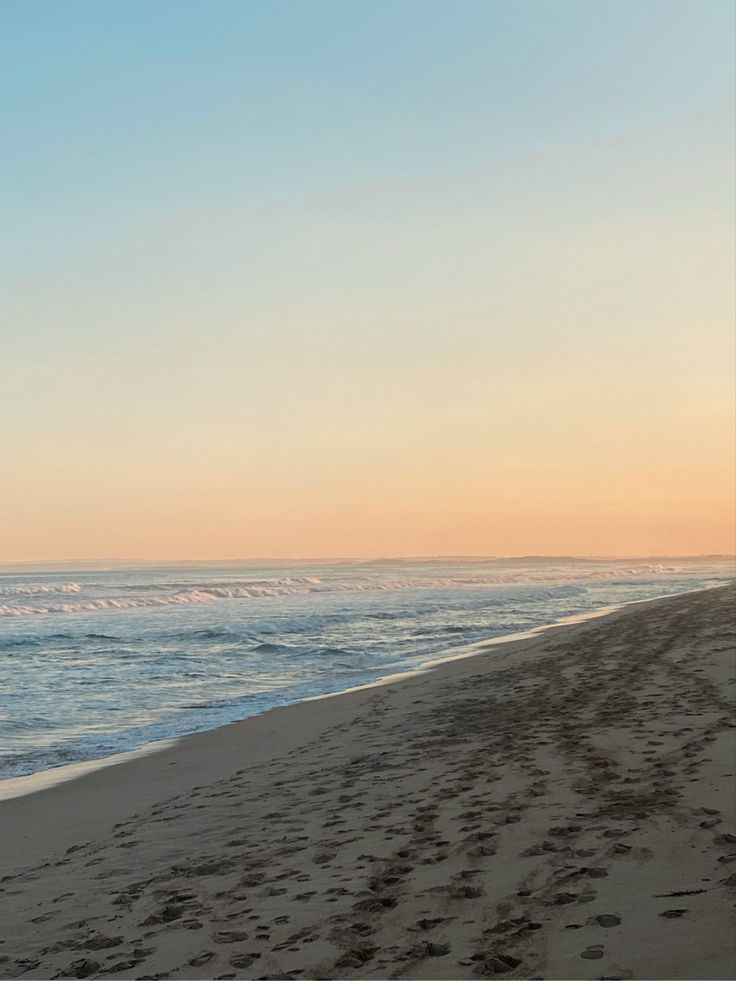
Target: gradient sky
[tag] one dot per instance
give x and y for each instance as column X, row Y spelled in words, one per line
column 366, row 278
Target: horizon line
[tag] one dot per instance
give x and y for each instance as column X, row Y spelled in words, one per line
column 136, row 562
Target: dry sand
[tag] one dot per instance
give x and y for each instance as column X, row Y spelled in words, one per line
column 561, row 807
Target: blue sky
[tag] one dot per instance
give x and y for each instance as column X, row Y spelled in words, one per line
column 133, row 104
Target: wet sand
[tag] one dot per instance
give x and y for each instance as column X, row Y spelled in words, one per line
column 558, row 807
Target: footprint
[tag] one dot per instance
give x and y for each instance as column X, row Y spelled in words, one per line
column 430, row 949
column 201, row 959
column 82, row 968
column 593, row 953
column 608, row 920
column 244, row 960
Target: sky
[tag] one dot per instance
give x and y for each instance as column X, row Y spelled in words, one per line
column 288, row 278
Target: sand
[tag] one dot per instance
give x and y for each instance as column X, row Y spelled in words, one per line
column 559, row 807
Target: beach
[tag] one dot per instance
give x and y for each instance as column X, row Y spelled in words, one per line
column 561, row 806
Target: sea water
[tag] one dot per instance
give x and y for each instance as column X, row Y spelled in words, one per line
column 94, row 663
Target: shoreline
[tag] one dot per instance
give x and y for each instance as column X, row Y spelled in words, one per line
column 40, row 780
column 565, row 808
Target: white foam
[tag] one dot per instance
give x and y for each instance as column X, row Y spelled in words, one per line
column 291, row 586
column 36, row 588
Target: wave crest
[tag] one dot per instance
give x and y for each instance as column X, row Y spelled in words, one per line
column 551, row 581
column 34, row 589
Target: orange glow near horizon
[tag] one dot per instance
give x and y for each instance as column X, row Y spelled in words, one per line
column 524, row 483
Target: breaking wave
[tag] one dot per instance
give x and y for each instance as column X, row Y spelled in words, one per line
column 35, row 589
column 301, row 585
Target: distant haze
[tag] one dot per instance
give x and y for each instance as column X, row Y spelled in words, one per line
column 367, row 278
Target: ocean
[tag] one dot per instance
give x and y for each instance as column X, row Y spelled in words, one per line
column 94, row 663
